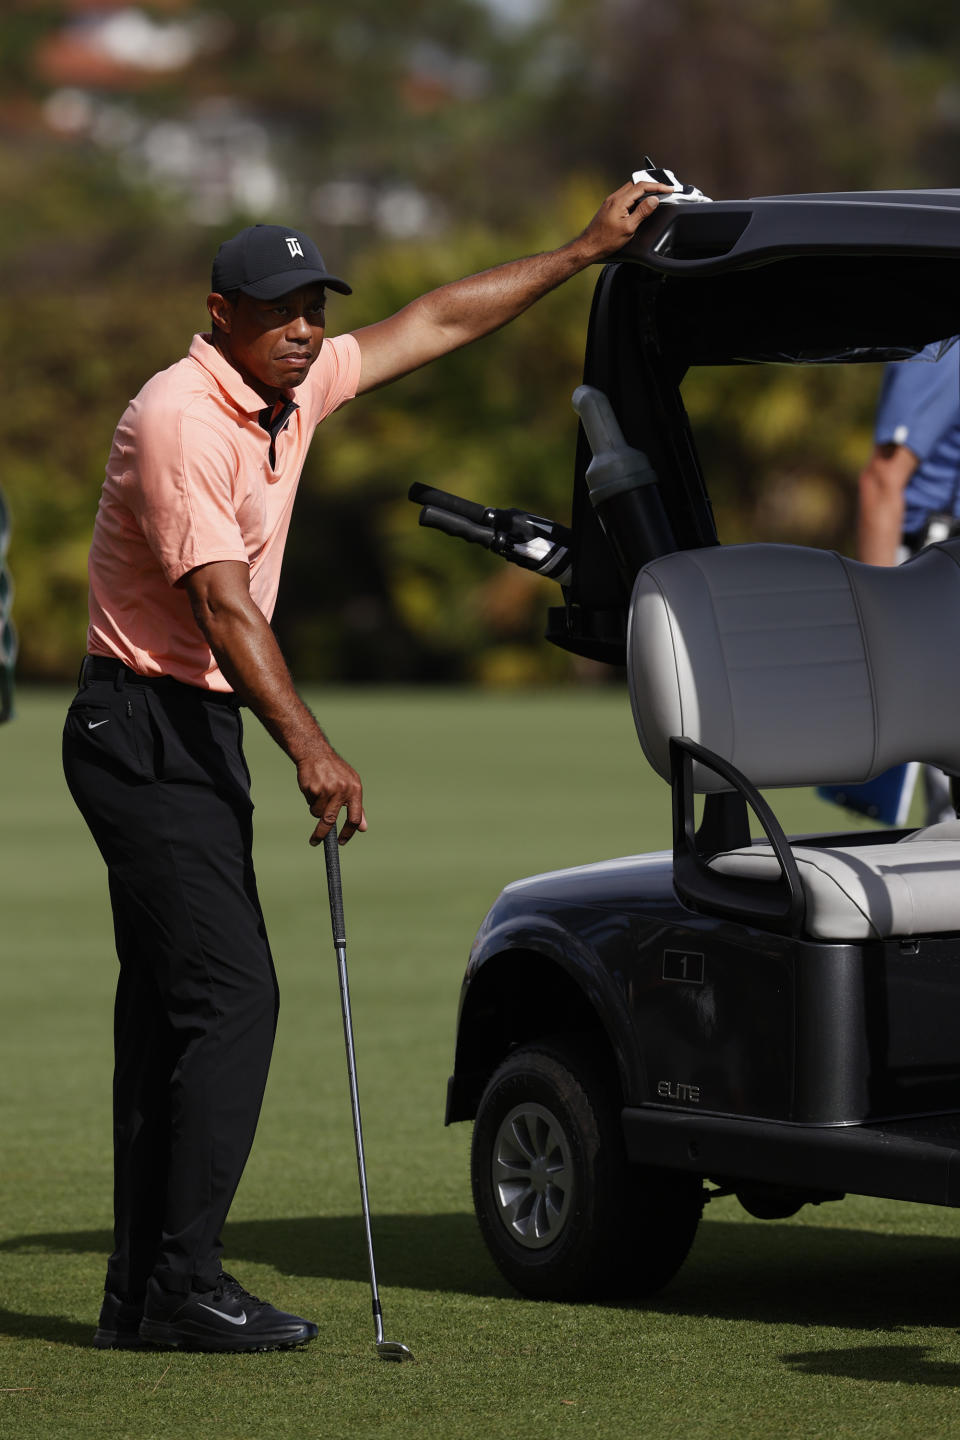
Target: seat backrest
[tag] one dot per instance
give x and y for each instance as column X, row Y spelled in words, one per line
column 799, row 666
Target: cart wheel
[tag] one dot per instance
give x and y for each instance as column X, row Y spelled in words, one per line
column 562, row 1212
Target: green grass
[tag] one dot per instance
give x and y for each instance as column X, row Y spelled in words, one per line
column 838, row 1323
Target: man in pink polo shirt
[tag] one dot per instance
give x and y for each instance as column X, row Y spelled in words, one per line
column 184, row 568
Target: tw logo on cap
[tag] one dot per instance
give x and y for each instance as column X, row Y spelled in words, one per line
column 293, row 245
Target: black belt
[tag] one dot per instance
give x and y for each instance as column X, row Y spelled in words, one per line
column 103, row 667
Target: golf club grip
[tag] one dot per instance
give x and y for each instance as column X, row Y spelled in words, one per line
column 457, row 525
column 331, row 854
column 426, row 495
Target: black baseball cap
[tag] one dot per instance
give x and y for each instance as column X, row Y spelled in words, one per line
column 270, row 260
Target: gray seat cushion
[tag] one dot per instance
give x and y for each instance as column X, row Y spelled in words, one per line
column 867, row 892
column 802, row 667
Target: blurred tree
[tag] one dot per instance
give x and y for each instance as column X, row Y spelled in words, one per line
column 98, row 288
column 927, row 25
column 762, row 97
column 926, row 33
column 781, row 447
column 8, row 635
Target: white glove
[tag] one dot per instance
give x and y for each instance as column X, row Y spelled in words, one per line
column 682, row 194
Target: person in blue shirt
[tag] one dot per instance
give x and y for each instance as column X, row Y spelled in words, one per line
column 914, row 470
column 912, row 475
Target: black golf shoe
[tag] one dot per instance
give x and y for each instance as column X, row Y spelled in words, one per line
column 226, row 1318
column 119, row 1324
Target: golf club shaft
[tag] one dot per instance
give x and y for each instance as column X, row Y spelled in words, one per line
column 331, row 850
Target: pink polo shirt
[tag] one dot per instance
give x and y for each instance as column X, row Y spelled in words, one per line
column 189, row 480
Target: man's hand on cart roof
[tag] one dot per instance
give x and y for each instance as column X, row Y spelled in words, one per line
column 620, row 216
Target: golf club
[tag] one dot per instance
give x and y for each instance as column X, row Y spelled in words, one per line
column 386, row 1349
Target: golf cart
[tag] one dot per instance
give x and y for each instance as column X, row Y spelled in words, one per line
column 750, row 1014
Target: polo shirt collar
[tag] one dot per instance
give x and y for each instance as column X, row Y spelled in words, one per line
column 231, row 382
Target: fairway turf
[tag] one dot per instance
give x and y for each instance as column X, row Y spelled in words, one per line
column 839, row 1323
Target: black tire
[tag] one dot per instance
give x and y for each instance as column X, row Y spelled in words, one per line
column 563, row 1214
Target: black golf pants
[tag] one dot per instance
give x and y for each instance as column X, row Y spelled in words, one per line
column 157, row 770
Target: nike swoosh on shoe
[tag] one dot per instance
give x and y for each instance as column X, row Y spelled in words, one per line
column 240, row 1319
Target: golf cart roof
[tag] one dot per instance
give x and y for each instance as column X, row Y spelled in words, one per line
column 730, row 234
column 789, row 279
column 802, row 278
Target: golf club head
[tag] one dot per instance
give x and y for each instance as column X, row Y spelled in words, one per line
column 393, row 1350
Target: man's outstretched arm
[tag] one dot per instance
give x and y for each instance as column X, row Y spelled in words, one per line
column 452, row 316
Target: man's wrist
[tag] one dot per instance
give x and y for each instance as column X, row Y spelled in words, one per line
column 313, row 749
column 577, row 254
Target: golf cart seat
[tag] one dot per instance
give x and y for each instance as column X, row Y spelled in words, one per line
column 762, row 665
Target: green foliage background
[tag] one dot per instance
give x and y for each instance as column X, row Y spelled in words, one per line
column 513, row 120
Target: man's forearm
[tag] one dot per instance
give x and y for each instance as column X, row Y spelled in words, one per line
column 464, row 310
column 246, row 650
column 878, row 530
column 881, row 503
column 479, row 304
column 247, row 653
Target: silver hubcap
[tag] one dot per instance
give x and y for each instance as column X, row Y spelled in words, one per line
column 532, row 1175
